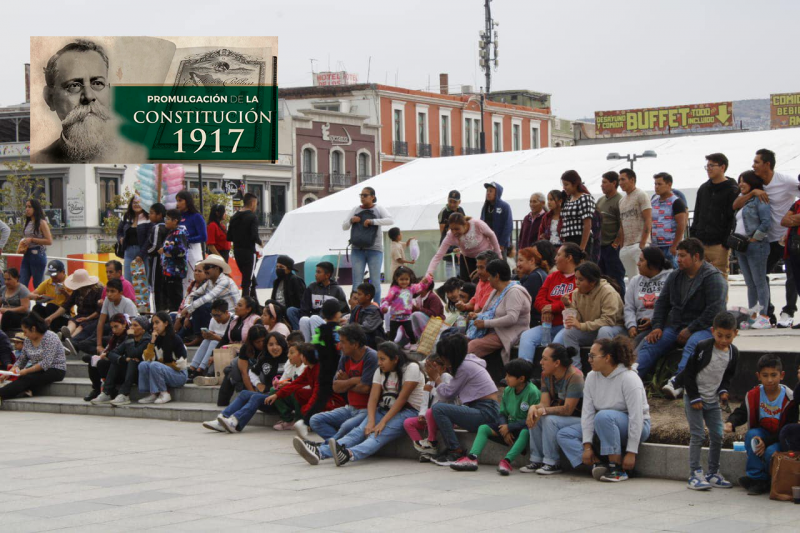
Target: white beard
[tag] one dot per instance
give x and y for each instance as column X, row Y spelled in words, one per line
column 87, row 132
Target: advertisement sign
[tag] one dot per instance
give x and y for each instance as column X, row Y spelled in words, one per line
column 335, row 78
column 150, row 99
column 76, row 207
column 784, row 110
column 661, row 119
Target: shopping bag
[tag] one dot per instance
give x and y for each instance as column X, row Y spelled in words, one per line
column 785, row 473
column 222, row 358
column 427, row 340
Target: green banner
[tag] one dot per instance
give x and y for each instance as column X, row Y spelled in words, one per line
column 207, row 123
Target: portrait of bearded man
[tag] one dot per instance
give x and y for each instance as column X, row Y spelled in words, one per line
column 77, row 89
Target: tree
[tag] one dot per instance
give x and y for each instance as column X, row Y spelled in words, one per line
column 19, row 187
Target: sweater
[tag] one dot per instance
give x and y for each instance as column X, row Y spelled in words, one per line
column 514, row 407
column 748, row 412
column 698, row 361
column 316, row 294
column 243, row 230
column 471, row 382
column 398, row 302
column 622, row 390
column 714, row 216
column 529, row 233
column 195, row 226
column 554, row 287
column 309, row 378
column 217, row 237
column 478, row 238
column 601, row 306
column 511, row 318
column 641, row 296
column 501, row 217
column 383, row 218
column 174, row 263
column 705, row 298
column 431, row 305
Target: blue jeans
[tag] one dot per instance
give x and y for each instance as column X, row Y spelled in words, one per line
column 611, row 266
column 532, row 338
column 33, row 265
column 544, row 438
column 131, row 252
column 363, row 446
column 338, row 422
column 469, row 417
column 294, row 314
column 308, row 324
column 610, row 426
column 360, row 259
column 649, row 353
column 203, row 354
column 672, row 260
column 244, row 407
column 155, row 377
column 758, row 467
column 711, row 414
column 753, row 263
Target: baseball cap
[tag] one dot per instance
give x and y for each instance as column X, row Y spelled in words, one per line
column 54, row 267
column 487, row 185
column 454, row 195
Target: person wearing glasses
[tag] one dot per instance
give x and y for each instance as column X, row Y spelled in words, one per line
column 76, row 80
column 366, row 238
column 218, row 285
column 714, row 216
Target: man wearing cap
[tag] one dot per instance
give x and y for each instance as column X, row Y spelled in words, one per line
column 497, row 215
column 51, row 294
column 288, row 288
column 453, row 206
column 218, row 285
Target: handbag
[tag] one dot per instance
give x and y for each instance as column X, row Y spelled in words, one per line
column 427, row 340
column 222, row 358
column 784, row 470
column 738, row 242
column 23, row 247
column 119, row 249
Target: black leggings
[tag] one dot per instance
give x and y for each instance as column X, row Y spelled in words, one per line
column 46, row 310
column 98, row 373
column 32, row 382
column 395, row 325
column 245, row 259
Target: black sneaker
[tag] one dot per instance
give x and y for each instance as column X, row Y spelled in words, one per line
column 531, row 468
column 340, row 454
column 446, row 458
column 758, row 487
column 307, row 451
column 599, row 470
column 547, row 470
column 746, row 482
column 91, row 396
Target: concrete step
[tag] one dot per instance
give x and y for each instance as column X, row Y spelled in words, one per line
column 80, row 387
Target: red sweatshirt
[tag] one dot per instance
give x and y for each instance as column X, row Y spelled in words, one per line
column 309, row 377
column 554, row 287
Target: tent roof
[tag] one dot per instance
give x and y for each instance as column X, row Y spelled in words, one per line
column 414, row 193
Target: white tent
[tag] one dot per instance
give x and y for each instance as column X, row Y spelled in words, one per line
column 415, row 192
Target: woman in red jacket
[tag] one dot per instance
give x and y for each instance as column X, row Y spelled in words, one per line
column 548, row 301
column 218, row 242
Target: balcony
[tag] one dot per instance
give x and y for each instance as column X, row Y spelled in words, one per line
column 339, row 181
column 400, row 148
column 363, row 177
column 470, row 151
column 312, row 181
column 423, row 150
column 447, row 151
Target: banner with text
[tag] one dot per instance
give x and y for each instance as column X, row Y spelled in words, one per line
column 149, row 99
column 784, row 110
column 660, row 119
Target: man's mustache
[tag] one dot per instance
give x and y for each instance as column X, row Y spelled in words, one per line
column 81, row 112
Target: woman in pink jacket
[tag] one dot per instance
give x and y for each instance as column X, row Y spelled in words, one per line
column 471, row 237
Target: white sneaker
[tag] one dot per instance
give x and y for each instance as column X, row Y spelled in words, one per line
column 163, row 397
column 762, row 322
column 121, row 399
column 228, row 423
column 301, row 429
column 785, row 321
column 214, row 425
column 670, row 391
column 102, row 398
column 149, row 399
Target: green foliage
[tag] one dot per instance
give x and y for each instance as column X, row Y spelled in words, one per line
column 211, row 199
column 18, row 188
column 111, row 219
column 665, row 368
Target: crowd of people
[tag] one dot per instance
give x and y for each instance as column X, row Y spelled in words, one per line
column 627, row 277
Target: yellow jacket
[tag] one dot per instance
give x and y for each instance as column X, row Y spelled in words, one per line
column 602, row 306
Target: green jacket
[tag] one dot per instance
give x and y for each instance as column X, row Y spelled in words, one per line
column 515, row 406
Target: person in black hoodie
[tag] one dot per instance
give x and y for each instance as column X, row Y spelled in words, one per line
column 497, row 215
column 288, row 288
column 306, row 318
column 243, row 233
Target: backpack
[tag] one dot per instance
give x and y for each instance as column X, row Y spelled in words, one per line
column 362, row 237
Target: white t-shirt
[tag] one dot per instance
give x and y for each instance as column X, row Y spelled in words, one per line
column 412, row 372
column 125, row 306
column 782, row 192
column 219, row 328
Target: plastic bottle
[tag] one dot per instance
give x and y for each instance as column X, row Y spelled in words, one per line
column 547, row 328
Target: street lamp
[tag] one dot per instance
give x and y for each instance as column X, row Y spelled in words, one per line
column 631, row 157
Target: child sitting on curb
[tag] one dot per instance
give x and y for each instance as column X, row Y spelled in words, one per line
column 427, row 447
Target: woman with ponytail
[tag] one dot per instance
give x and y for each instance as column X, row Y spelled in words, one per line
column 577, row 211
column 614, row 409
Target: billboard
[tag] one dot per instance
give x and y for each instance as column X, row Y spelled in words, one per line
column 661, row 119
column 334, row 78
column 784, row 110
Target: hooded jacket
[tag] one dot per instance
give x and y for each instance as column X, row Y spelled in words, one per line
column 502, row 220
column 471, row 382
column 316, row 294
column 714, row 217
column 622, row 390
column 703, row 301
column 641, row 296
column 511, row 318
column 602, row 306
column 293, row 289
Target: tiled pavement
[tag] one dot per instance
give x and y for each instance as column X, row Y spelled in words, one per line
column 80, row 473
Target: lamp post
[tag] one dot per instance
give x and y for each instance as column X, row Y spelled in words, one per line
column 631, row 157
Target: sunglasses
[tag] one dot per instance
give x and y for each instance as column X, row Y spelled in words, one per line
column 364, row 195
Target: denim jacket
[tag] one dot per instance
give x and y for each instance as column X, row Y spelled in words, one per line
column 757, row 218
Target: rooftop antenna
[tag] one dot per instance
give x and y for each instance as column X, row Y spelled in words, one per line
column 369, row 64
column 312, row 65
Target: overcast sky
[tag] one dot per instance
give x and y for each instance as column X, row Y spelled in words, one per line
column 589, row 54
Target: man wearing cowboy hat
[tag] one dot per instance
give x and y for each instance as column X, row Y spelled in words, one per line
column 287, row 288
column 218, row 285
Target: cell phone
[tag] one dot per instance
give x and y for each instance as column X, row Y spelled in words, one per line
column 205, row 330
column 642, row 322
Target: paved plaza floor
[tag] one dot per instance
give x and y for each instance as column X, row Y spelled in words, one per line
column 85, row 473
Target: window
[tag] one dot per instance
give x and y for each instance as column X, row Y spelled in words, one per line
column 258, row 190
column 309, row 160
column 496, row 137
column 53, row 187
column 211, row 184
column 517, row 142
column 336, row 162
column 468, row 130
column 445, row 130
column 534, row 137
column 363, row 165
column 277, row 203
column 476, row 131
column 308, row 200
column 398, row 125
column 422, row 128
column 109, row 187
column 327, row 106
